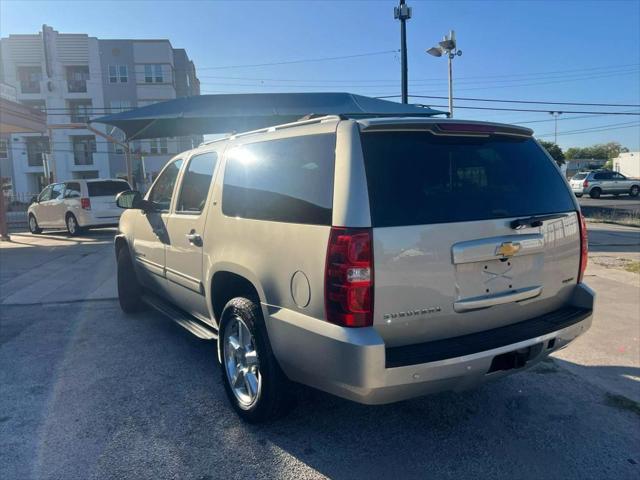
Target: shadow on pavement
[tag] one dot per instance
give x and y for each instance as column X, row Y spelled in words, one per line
column 93, row 393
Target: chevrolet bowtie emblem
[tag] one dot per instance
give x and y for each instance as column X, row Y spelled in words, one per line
column 508, row 249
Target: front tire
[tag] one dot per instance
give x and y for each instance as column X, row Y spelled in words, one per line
column 634, row 191
column 595, row 193
column 33, row 225
column 255, row 385
column 129, row 289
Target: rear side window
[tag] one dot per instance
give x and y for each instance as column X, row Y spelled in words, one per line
column 286, row 180
column 72, row 190
column 602, row 176
column 417, row 178
column 109, row 188
column 196, row 182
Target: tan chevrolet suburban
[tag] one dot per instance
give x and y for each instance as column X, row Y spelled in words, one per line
column 376, row 259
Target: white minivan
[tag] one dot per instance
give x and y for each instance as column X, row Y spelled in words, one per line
column 76, row 205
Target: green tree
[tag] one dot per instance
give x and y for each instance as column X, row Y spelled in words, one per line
column 599, row 151
column 554, row 150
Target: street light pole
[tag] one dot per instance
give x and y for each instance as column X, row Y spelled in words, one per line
column 448, row 47
column 403, row 13
column 555, row 117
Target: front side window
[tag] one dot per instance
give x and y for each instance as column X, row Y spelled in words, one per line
column 619, row 176
column 45, row 194
column 196, row 182
column 162, row 190
column 286, row 180
column 416, row 178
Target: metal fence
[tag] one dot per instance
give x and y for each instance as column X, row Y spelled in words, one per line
column 17, row 205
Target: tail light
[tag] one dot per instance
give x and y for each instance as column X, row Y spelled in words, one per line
column 348, row 290
column 585, row 184
column 85, row 203
column 584, row 247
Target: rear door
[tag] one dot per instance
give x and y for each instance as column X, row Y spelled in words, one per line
column 102, row 194
column 186, row 234
column 454, row 249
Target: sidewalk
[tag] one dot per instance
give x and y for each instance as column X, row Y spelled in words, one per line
column 54, row 268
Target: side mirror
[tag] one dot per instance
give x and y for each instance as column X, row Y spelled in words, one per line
column 132, row 199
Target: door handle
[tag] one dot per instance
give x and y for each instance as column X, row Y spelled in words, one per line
column 194, row 238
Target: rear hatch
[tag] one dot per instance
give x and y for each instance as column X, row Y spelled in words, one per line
column 577, row 181
column 456, row 250
column 102, row 195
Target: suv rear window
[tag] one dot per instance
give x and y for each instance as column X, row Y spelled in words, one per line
column 417, row 178
column 580, row 176
column 285, row 180
column 108, row 188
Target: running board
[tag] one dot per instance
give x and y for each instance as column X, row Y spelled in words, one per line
column 182, row 318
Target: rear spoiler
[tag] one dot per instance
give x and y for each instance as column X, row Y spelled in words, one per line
column 446, row 127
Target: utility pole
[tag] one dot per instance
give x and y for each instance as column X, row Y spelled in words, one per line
column 403, row 13
column 555, row 117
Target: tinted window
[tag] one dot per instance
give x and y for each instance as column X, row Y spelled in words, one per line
column 72, row 190
column 287, row 180
column 162, row 190
column 195, row 183
column 108, row 188
column 417, row 178
column 602, row 176
column 580, row 176
column 617, row 176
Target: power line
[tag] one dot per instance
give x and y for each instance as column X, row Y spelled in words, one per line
column 602, row 128
column 535, row 110
column 523, row 101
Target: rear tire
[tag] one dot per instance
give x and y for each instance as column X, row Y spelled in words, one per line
column 72, row 225
column 261, row 391
column 595, row 193
column 634, row 191
column 578, row 195
column 33, row 225
column 129, row 289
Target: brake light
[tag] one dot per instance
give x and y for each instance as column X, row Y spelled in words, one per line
column 584, row 247
column 585, row 184
column 466, row 127
column 348, row 290
column 85, row 203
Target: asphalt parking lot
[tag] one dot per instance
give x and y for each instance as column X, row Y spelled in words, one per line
column 91, row 393
column 621, row 205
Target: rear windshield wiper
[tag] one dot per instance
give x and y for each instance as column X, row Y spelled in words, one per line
column 535, row 221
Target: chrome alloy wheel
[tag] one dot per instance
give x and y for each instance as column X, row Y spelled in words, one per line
column 241, row 362
column 33, row 225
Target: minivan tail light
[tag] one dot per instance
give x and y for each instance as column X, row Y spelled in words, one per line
column 585, row 184
column 584, row 247
column 85, row 203
column 348, row 290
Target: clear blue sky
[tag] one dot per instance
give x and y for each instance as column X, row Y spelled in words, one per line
column 582, row 51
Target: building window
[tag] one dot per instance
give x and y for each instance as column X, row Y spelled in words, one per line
column 80, row 110
column 37, row 104
column 117, row 106
column 36, row 148
column 4, row 149
column 30, row 78
column 118, row 73
column 83, row 149
column 153, row 74
column 77, row 77
column 158, row 146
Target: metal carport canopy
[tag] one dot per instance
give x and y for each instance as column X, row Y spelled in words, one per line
column 228, row 113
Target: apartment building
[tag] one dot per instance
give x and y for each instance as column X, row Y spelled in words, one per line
column 74, row 77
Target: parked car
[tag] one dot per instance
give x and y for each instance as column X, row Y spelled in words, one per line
column 375, row 259
column 76, row 205
column 602, row 182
